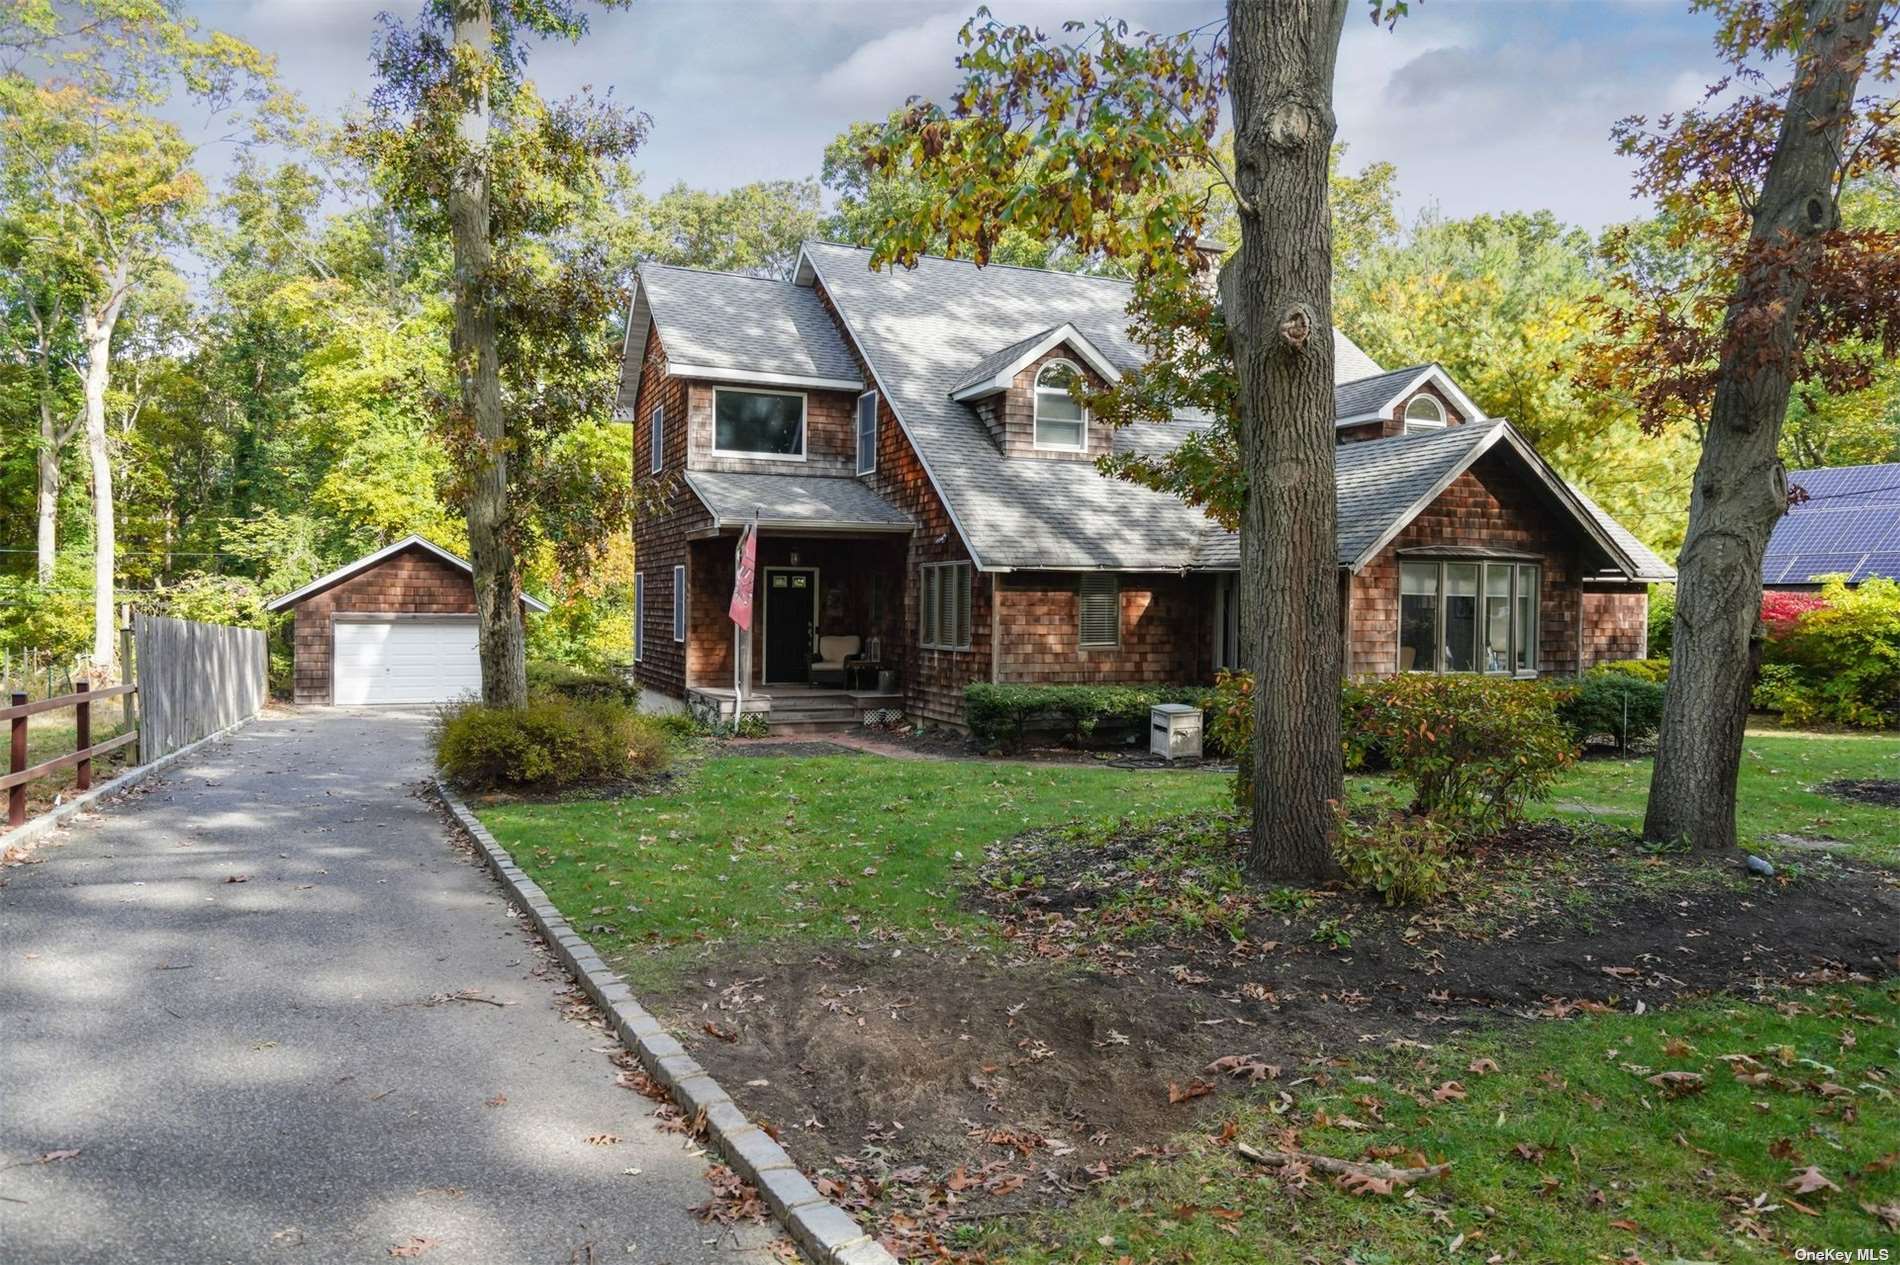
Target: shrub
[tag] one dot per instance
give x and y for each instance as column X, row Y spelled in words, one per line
column 585, row 684
column 1839, row 661
column 548, row 743
column 1229, row 731
column 998, row 714
column 1780, row 611
column 1653, row 670
column 1405, row 858
column 1662, row 619
column 1627, row 707
column 1475, row 749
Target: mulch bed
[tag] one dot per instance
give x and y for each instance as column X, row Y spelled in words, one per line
column 1017, row 1077
column 1882, row 791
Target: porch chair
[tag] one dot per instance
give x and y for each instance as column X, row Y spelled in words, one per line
column 834, row 654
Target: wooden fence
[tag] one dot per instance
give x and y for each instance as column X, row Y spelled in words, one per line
column 194, row 679
column 84, row 749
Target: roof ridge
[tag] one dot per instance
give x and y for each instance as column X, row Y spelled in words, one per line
column 971, row 263
column 718, row 272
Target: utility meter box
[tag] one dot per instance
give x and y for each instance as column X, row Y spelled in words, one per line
column 1174, row 731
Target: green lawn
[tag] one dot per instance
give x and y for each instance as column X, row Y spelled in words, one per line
column 1774, row 795
column 756, row 848
column 1610, row 1164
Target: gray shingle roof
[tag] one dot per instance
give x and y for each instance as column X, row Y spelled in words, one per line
column 1649, row 566
column 990, row 365
column 1358, row 397
column 813, row 500
column 724, row 320
column 922, row 329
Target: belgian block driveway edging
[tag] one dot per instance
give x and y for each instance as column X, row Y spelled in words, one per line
column 825, row 1232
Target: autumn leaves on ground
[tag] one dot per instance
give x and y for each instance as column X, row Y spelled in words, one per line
column 1035, row 1012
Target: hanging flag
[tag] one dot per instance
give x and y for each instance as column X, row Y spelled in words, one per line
column 741, row 608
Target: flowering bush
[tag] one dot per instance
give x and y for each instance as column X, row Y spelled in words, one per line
column 1838, row 661
column 1781, row 611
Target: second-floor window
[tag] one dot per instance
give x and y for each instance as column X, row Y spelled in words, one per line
column 656, row 436
column 1061, row 421
column 767, row 424
column 1424, row 413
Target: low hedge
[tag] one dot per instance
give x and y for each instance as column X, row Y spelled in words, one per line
column 549, row 743
column 1626, row 707
column 998, row 715
column 1655, row 671
column 584, row 684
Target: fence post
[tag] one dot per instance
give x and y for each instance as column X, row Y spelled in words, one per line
column 126, row 677
column 83, row 723
column 16, row 763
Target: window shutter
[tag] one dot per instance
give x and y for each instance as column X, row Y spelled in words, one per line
column 1099, row 609
column 679, row 603
column 639, row 615
column 656, row 437
column 927, row 607
column 962, row 588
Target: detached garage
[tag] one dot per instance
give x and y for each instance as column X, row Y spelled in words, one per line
column 395, row 626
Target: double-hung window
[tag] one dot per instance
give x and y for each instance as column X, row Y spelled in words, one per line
column 943, row 606
column 639, row 615
column 679, row 603
column 656, row 436
column 1099, row 609
column 764, row 424
column 1061, row 421
column 1468, row 617
column 867, row 432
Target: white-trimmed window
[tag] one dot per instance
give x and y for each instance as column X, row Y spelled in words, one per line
column 763, row 424
column 867, row 432
column 639, row 615
column 1061, row 421
column 1099, row 610
column 679, row 603
column 1457, row 616
column 943, row 606
column 656, row 436
column 1423, row 413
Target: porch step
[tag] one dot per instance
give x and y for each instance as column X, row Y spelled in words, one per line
column 801, row 727
column 796, row 715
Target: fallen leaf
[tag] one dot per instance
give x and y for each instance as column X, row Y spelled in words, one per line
column 1809, row 1180
column 1887, row 1213
column 237, row 878
column 602, row 1139
column 1677, row 1084
column 1482, row 1067
column 499, row 1100
column 1624, row 1223
column 1450, row 1091
column 1193, row 1089
column 414, row 1245
column 719, row 1030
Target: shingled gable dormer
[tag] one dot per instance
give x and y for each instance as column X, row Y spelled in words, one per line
column 1021, row 393
column 1409, row 401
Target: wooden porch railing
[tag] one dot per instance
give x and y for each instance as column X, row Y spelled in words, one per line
column 18, row 774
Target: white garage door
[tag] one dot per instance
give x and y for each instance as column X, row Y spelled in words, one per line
column 404, row 661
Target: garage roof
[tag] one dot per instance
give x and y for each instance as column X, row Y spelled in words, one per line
column 369, row 560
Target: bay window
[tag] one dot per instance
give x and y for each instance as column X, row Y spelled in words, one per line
column 1467, row 617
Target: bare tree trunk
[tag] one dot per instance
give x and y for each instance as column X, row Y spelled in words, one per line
column 1740, row 485
column 52, row 442
column 497, row 592
column 98, row 321
column 1277, row 296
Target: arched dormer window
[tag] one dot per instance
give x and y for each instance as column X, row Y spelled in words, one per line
column 1424, row 413
column 1061, row 421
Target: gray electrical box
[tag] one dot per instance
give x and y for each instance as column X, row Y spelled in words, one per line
column 1174, row 731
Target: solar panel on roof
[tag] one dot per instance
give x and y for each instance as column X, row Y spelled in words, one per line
column 1849, row 524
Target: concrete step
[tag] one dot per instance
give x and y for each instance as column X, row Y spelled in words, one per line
column 802, row 714
column 804, row 728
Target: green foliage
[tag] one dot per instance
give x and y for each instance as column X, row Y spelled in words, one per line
column 1229, row 731
column 999, row 714
column 1655, row 671
column 211, row 599
column 1405, row 858
column 1623, row 705
column 50, row 623
column 1475, row 749
column 548, row 743
column 1838, row 664
column 1662, row 619
column 582, row 684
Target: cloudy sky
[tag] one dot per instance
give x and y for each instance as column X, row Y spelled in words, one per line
column 1482, row 104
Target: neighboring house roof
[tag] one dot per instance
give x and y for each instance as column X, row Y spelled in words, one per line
column 1369, row 399
column 369, row 560
column 1386, row 483
column 794, row 500
column 1649, row 565
column 734, row 328
column 995, row 372
column 924, row 330
column 1848, row 525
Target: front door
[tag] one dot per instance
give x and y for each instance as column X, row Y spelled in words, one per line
column 791, row 602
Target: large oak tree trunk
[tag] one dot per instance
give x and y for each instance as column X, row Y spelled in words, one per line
column 491, row 552
column 1276, row 293
column 1740, row 485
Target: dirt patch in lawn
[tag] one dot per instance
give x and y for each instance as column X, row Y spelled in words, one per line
column 1884, row 792
column 930, row 1083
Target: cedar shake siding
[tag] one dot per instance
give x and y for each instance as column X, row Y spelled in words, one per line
column 1164, row 637
column 1615, row 622
column 1492, row 506
column 412, row 582
column 659, row 540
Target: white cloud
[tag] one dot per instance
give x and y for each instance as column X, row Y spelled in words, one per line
column 914, row 60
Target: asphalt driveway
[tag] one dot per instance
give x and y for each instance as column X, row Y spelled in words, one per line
column 195, row 1069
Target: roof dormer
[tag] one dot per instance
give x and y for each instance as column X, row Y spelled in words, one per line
column 1025, row 393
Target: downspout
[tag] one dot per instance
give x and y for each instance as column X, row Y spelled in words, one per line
column 996, row 628
column 1345, row 623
